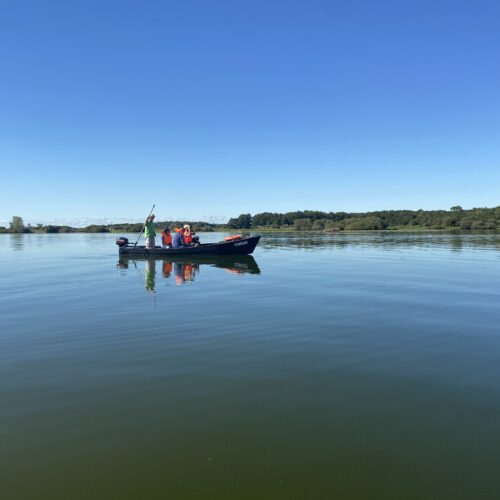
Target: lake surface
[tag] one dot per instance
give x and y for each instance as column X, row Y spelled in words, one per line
column 342, row 366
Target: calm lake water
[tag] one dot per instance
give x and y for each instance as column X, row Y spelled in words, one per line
column 342, row 366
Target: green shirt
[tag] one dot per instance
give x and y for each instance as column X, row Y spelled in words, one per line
column 149, row 230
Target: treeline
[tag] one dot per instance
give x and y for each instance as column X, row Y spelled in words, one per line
column 309, row 220
column 17, row 226
column 196, row 226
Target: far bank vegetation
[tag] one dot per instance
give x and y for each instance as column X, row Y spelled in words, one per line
column 454, row 219
column 476, row 219
column 17, row 226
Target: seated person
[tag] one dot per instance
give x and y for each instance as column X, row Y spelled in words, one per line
column 178, row 239
column 166, row 238
column 188, row 237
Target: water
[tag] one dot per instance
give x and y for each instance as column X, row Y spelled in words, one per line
column 343, row 366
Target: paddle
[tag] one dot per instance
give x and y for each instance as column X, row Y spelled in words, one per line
column 143, row 226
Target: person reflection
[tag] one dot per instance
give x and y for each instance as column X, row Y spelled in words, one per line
column 150, row 275
column 166, row 269
column 188, row 273
column 185, row 273
column 178, row 273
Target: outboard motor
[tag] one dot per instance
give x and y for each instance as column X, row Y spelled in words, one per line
column 122, row 241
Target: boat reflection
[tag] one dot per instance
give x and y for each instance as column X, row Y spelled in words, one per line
column 185, row 269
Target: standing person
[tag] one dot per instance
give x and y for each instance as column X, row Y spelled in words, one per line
column 166, row 238
column 149, row 232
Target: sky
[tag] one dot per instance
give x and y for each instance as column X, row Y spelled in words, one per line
column 210, row 109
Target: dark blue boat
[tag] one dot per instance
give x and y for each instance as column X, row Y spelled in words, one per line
column 241, row 246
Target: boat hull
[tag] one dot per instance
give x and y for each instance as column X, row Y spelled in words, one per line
column 243, row 246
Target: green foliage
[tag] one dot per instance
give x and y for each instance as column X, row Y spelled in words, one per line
column 17, row 225
column 318, row 225
column 201, row 227
column 55, row 229
column 455, row 218
column 244, row 221
column 331, row 226
column 197, row 226
column 95, row 228
column 302, row 225
column 363, row 224
column 307, row 220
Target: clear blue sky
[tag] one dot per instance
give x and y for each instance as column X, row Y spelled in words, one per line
column 224, row 107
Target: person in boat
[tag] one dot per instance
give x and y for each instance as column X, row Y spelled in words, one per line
column 166, row 238
column 178, row 239
column 149, row 232
column 188, row 236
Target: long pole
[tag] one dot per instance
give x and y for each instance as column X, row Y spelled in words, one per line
column 143, row 226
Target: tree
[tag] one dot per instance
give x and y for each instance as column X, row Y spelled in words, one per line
column 456, row 208
column 302, row 225
column 365, row 224
column 331, row 226
column 96, row 228
column 318, row 225
column 244, row 221
column 17, row 225
column 466, row 223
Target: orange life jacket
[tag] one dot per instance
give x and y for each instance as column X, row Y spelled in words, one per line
column 166, row 238
column 188, row 237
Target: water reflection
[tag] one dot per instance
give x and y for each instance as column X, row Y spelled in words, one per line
column 184, row 270
column 185, row 273
column 384, row 239
column 150, row 275
column 17, row 241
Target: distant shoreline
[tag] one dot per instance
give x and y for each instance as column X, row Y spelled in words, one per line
column 422, row 230
column 453, row 220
